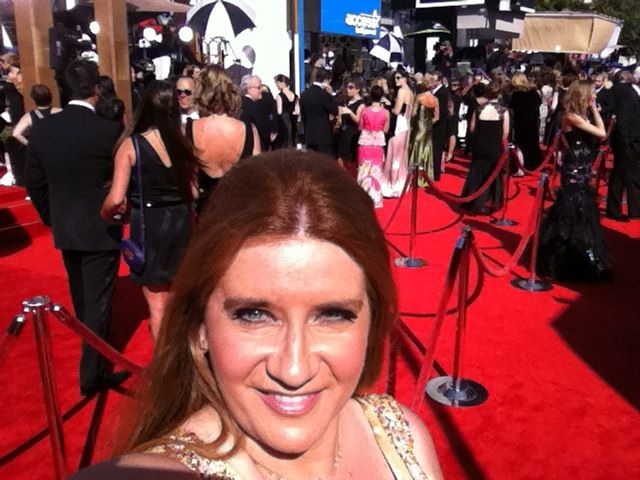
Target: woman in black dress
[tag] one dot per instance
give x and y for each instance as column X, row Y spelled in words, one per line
column 288, row 109
column 572, row 246
column 525, row 106
column 489, row 126
column 168, row 166
column 349, row 121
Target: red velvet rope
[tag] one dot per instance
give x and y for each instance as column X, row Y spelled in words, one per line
column 94, row 340
column 532, row 226
column 483, row 188
column 547, row 159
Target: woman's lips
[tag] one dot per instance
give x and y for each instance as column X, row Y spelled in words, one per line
column 291, row 405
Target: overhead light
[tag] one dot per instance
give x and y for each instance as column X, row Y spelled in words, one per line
column 149, row 34
column 94, row 27
column 185, row 34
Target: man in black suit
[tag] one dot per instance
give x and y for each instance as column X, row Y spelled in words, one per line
column 68, row 170
column 625, row 143
column 316, row 107
column 439, row 137
column 259, row 108
column 603, row 96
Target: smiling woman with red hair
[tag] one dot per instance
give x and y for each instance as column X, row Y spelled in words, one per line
column 273, row 337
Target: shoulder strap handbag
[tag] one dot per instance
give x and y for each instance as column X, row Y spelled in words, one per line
column 132, row 250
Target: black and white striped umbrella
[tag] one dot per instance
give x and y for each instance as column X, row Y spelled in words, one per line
column 221, row 18
column 390, row 47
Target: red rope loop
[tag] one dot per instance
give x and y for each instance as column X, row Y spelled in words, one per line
column 547, row 159
column 532, row 225
column 94, row 340
column 483, row 188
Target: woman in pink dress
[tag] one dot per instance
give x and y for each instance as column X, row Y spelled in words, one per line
column 395, row 169
column 374, row 123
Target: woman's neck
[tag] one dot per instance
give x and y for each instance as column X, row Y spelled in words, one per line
column 323, row 461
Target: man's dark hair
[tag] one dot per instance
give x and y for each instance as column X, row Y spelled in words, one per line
column 82, row 76
column 41, row 95
column 323, row 75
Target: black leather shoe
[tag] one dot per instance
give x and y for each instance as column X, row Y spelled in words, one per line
column 110, row 380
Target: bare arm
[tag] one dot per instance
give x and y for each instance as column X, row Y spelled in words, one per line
column 279, row 104
column 23, row 125
column 397, row 108
column 296, row 106
column 596, row 130
column 505, row 127
column 387, row 121
column 355, row 116
column 116, row 201
column 256, row 140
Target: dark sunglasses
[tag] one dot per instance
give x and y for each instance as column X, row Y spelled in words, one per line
column 350, row 87
column 398, row 77
column 186, row 91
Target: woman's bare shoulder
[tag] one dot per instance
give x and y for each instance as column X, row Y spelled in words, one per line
column 423, row 447
column 137, row 466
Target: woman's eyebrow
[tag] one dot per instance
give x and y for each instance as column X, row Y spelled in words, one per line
column 246, row 302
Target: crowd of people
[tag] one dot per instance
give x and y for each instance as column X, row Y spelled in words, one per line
column 255, row 379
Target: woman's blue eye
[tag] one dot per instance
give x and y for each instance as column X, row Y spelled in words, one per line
column 250, row 315
column 337, row 315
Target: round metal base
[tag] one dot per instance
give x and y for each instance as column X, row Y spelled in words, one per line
column 408, row 262
column 503, row 222
column 531, row 285
column 469, row 394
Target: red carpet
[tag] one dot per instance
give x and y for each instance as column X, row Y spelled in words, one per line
column 561, row 367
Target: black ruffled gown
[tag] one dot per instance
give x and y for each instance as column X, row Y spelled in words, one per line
column 571, row 245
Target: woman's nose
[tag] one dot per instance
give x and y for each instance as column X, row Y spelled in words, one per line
column 293, row 362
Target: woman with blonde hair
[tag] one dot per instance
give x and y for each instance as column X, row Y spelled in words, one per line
column 274, row 337
column 218, row 137
column 525, row 104
column 572, row 246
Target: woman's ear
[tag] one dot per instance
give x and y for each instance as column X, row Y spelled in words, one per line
column 202, row 339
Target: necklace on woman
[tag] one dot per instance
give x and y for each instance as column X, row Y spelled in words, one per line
column 278, row 476
column 337, row 458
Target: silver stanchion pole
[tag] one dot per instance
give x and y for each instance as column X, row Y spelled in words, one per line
column 503, row 221
column 533, row 283
column 411, row 261
column 454, row 390
column 37, row 307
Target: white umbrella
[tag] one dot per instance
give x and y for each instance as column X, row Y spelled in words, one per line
column 390, row 47
column 221, row 18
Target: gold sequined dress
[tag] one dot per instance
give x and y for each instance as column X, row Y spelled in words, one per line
column 390, row 428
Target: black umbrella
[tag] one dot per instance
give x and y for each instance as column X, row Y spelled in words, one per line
column 221, row 18
column 428, row 27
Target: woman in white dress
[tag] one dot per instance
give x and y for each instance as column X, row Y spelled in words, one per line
column 395, row 171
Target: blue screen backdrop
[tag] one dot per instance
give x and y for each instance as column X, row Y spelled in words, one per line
column 350, row 17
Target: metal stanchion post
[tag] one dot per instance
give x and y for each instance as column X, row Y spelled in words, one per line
column 37, row 307
column 454, row 390
column 533, row 284
column 411, row 261
column 503, row 221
